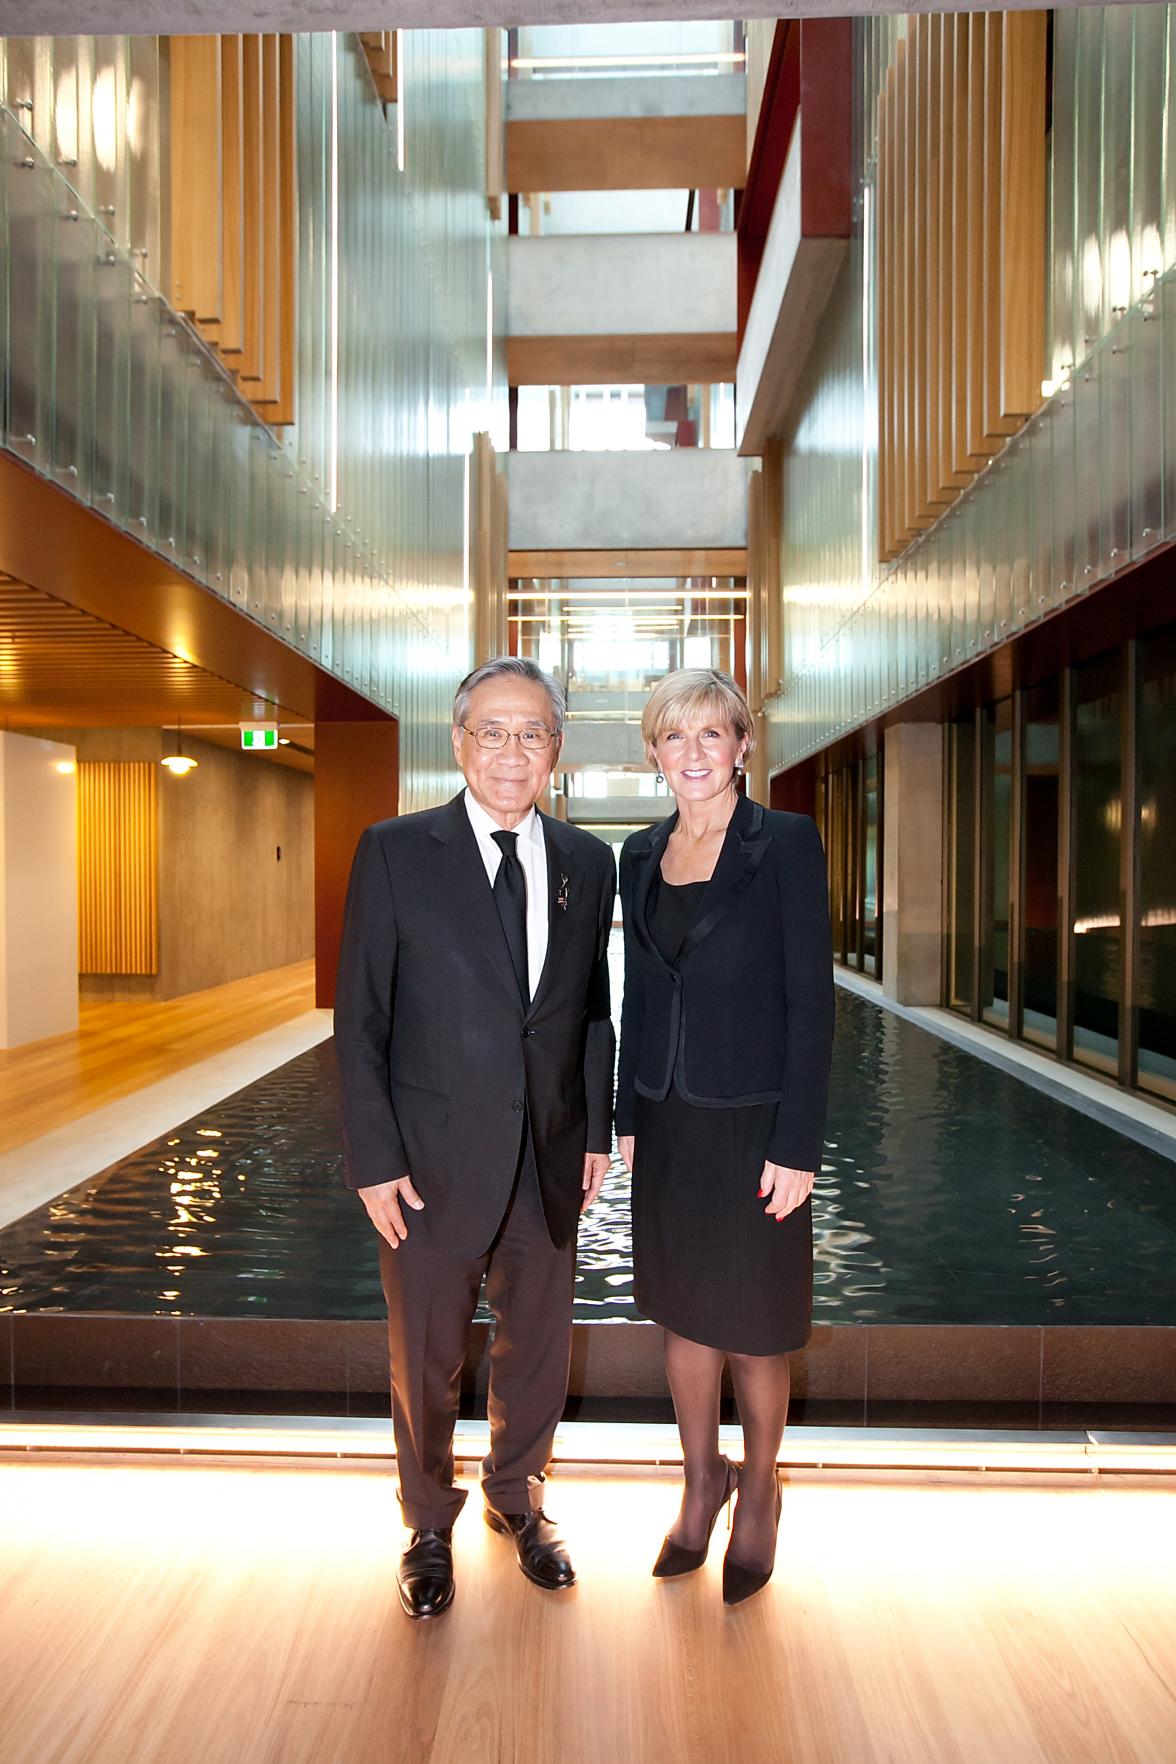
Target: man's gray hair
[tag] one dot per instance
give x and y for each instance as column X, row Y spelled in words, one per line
column 522, row 668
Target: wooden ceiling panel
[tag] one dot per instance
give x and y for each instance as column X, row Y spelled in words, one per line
column 62, row 666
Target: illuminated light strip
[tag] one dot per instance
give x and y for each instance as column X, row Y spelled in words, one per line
column 590, row 1442
column 672, row 58
column 622, row 598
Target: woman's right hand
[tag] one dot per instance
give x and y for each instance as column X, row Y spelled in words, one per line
column 625, row 1143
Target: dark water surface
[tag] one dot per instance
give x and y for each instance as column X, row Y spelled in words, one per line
column 950, row 1193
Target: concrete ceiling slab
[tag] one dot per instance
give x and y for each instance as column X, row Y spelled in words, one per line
column 164, row 17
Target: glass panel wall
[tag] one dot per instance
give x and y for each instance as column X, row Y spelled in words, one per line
column 961, row 863
column 1156, row 904
column 1098, row 826
column 849, row 815
column 872, row 819
column 997, row 785
column 1040, row 806
column 1060, row 897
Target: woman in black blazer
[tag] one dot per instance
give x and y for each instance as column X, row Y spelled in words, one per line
column 726, row 1036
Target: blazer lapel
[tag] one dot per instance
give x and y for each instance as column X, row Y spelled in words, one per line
column 648, row 859
column 471, row 897
column 564, row 891
column 743, row 852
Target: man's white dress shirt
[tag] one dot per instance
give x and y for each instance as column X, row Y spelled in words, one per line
column 532, row 855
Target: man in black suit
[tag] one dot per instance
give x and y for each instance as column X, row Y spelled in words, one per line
column 475, row 1053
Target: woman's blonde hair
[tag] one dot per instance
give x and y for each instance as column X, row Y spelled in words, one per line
column 695, row 695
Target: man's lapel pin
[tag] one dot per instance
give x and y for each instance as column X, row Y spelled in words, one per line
column 561, row 899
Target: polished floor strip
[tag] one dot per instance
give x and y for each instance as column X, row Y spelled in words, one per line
column 196, row 1613
column 593, row 1442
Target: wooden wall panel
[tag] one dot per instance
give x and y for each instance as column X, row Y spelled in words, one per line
column 663, row 359
column 627, row 153
column 118, row 867
column 961, row 254
column 1022, row 235
column 234, row 205
column 196, row 282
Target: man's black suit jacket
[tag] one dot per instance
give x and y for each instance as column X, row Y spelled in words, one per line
column 439, row 1060
column 745, row 1014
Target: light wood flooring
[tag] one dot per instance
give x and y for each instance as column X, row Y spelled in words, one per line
column 235, row 1615
column 119, row 1048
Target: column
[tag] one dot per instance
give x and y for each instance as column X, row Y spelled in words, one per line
column 356, row 782
column 912, row 860
column 38, row 889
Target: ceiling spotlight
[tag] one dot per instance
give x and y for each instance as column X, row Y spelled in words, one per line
column 65, row 767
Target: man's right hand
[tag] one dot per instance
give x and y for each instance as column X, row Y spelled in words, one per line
column 626, row 1145
column 383, row 1203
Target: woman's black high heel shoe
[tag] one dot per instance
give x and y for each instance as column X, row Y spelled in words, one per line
column 672, row 1558
column 740, row 1583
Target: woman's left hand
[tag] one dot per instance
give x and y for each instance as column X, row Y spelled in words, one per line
column 789, row 1189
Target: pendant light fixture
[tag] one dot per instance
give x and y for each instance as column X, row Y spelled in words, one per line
column 179, row 763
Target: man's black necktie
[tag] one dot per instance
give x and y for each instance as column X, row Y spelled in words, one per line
column 510, row 893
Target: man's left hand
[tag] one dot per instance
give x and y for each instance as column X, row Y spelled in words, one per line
column 595, row 1170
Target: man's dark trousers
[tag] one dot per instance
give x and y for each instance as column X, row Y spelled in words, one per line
column 431, row 1298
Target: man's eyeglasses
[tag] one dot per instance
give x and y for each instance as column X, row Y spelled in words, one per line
column 530, row 740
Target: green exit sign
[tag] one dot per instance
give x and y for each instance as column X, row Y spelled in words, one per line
column 259, row 735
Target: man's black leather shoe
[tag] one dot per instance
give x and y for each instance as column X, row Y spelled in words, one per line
column 542, row 1553
column 424, row 1578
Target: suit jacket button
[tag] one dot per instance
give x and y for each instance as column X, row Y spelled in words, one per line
column 517, row 1107
column 527, row 1032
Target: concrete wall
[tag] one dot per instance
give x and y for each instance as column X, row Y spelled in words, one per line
column 227, row 906
column 688, row 496
column 38, row 891
column 622, row 285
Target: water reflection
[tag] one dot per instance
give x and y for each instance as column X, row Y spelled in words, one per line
column 948, row 1193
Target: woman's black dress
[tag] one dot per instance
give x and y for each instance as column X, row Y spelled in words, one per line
column 708, row 1261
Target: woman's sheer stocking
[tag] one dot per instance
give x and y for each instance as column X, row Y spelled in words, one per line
column 761, row 1390
column 695, row 1375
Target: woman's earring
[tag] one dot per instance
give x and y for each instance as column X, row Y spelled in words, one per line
column 740, row 768
column 659, row 778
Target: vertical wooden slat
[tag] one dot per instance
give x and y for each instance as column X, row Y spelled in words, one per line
column 882, row 228
column 251, row 365
column 232, row 326
column 978, row 447
column 270, row 229
column 195, row 140
column 1022, row 213
column 996, row 317
column 281, row 231
column 961, row 49
column 916, row 303
column 901, row 429
column 938, row 488
column 495, row 121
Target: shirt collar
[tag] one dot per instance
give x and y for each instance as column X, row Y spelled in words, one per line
column 485, row 826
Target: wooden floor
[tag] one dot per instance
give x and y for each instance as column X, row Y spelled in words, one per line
column 119, row 1048
column 186, row 1612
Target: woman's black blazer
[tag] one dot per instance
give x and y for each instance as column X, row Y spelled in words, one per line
column 745, row 1014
